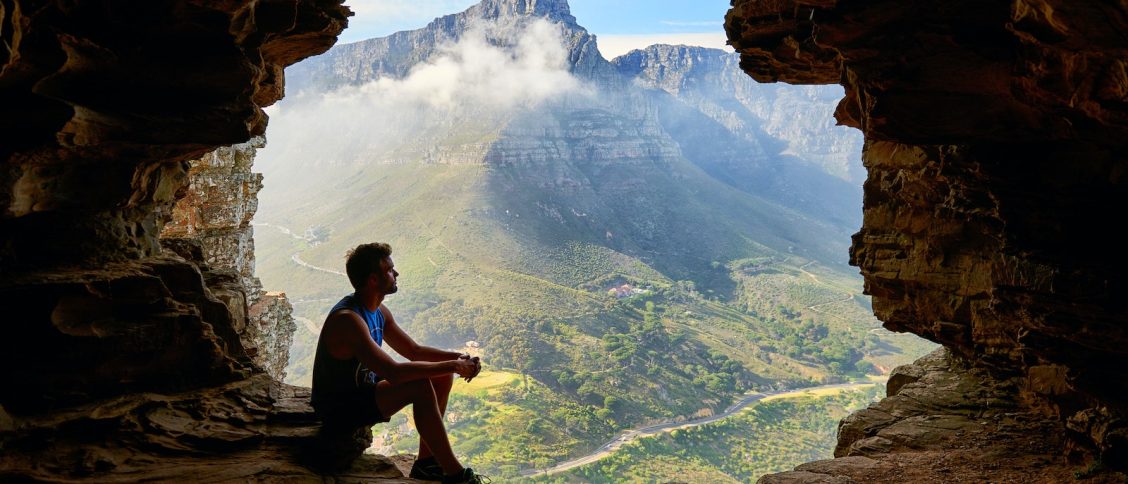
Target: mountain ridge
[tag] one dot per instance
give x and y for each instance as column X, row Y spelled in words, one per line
column 394, row 55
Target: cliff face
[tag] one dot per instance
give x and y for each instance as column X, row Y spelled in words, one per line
column 211, row 226
column 712, row 80
column 129, row 362
column 995, row 146
column 774, row 141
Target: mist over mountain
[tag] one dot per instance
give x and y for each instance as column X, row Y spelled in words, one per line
column 395, row 55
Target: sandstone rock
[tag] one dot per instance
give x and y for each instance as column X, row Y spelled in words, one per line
column 253, row 429
column 272, row 330
column 993, row 151
column 102, row 108
column 953, row 424
column 84, row 334
column 211, row 225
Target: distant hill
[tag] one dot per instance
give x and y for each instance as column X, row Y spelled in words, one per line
column 640, row 238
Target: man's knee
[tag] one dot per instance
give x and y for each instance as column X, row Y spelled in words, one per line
column 420, row 390
column 443, row 381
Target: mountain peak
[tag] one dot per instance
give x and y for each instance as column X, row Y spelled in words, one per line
column 551, row 9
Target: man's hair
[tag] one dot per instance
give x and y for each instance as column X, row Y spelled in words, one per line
column 364, row 260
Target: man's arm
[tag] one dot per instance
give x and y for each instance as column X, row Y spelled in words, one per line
column 404, row 345
column 349, row 337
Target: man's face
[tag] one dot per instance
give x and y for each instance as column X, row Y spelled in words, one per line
column 385, row 280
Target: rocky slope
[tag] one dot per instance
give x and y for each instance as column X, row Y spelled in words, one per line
column 124, row 361
column 995, row 144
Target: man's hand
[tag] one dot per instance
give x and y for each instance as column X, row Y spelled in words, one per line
column 477, row 366
column 466, row 368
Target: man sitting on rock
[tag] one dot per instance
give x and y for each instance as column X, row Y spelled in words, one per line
column 356, row 382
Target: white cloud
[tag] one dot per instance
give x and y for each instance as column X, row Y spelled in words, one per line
column 612, row 46
column 489, row 74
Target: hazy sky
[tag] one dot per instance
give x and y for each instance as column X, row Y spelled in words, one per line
column 620, row 25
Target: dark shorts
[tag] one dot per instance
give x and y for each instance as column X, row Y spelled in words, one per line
column 356, row 408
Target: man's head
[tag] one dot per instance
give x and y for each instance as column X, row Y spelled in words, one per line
column 371, row 264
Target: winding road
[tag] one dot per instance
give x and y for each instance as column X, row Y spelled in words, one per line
column 614, row 444
column 296, row 256
column 814, row 307
column 298, row 260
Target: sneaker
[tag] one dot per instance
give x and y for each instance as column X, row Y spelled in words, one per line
column 426, row 469
column 467, row 477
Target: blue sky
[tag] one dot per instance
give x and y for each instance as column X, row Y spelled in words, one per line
column 619, row 24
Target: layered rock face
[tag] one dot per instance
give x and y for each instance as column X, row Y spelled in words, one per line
column 996, row 137
column 102, row 105
column 124, row 361
column 772, row 141
column 712, row 80
column 211, row 226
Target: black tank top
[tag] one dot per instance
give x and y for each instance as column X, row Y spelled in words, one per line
column 336, row 379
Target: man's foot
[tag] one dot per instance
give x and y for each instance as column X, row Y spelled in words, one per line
column 426, row 469
column 467, row 477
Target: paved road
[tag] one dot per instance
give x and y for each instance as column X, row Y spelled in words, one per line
column 614, row 444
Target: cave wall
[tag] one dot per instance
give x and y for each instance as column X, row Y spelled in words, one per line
column 123, row 360
column 104, row 105
column 996, row 149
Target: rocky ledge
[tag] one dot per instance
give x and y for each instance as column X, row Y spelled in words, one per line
column 254, row 429
column 944, row 420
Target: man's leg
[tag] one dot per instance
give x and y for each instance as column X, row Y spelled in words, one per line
column 442, row 386
column 428, row 418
